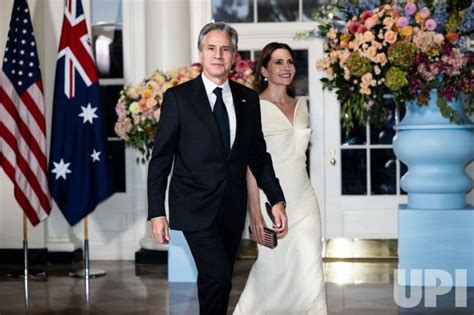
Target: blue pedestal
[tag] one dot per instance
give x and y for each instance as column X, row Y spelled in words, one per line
column 181, row 266
column 437, row 239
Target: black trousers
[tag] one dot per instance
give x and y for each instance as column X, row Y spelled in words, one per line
column 214, row 251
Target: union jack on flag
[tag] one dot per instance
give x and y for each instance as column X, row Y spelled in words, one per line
column 79, row 173
column 22, row 119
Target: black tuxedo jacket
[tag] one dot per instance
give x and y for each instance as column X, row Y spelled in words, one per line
column 205, row 179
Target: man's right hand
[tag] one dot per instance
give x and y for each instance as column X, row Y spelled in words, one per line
column 161, row 232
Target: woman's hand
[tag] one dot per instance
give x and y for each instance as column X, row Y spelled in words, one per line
column 257, row 223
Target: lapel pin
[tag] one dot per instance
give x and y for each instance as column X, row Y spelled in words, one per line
column 244, row 100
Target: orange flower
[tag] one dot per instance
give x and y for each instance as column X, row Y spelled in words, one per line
column 364, row 89
column 390, row 37
column 388, row 22
column 147, row 93
column 452, row 37
column 419, row 19
column 372, row 52
column 142, row 105
column 406, row 31
column 174, row 82
column 381, row 58
column 344, row 40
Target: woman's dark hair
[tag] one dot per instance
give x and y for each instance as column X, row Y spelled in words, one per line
column 264, row 56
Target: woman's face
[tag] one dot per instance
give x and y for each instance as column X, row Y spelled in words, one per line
column 280, row 69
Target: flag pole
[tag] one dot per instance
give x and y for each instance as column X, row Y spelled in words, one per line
column 26, row 273
column 86, row 247
column 25, row 246
column 86, row 260
column 25, row 261
column 86, row 272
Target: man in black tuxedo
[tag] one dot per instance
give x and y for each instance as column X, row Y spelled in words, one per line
column 210, row 127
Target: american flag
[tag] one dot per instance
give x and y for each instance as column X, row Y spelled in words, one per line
column 79, row 173
column 22, row 119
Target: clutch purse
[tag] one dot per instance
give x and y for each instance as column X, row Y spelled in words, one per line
column 270, row 236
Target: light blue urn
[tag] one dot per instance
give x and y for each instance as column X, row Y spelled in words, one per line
column 436, row 152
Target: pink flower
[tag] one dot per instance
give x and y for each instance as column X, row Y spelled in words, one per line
column 430, row 24
column 240, row 66
column 361, row 29
column 410, row 9
column 365, row 15
column 370, row 22
column 353, row 27
column 402, row 21
column 238, row 57
column 120, row 108
column 425, row 13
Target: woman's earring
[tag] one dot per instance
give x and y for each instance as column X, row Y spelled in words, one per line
column 265, row 79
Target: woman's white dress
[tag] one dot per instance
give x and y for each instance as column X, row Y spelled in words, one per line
column 288, row 279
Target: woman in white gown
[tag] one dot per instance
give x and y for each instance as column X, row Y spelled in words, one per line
column 289, row 278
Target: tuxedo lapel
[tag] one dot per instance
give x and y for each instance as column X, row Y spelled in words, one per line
column 239, row 103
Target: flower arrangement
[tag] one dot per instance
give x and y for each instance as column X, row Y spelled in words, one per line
column 242, row 71
column 139, row 106
column 404, row 51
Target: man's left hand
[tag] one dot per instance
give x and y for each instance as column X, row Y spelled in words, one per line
column 281, row 221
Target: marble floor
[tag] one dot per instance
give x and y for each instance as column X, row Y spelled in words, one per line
column 357, row 287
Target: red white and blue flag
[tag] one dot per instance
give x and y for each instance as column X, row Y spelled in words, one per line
column 79, row 173
column 22, row 118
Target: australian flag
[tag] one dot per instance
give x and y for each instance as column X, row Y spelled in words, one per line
column 79, row 173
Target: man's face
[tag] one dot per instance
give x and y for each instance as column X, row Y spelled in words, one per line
column 217, row 56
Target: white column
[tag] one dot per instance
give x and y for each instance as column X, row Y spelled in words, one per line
column 200, row 15
column 167, row 45
column 60, row 236
column 168, row 41
column 147, row 241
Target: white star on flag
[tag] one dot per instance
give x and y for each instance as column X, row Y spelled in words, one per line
column 88, row 113
column 61, row 169
column 95, row 156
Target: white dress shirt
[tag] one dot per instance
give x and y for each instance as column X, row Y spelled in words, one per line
column 228, row 101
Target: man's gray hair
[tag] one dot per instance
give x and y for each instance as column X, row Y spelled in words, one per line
column 218, row 26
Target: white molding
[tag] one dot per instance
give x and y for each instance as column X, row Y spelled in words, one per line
column 200, row 14
column 272, row 31
column 110, row 81
column 134, row 41
column 61, row 245
column 60, row 237
column 110, row 251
